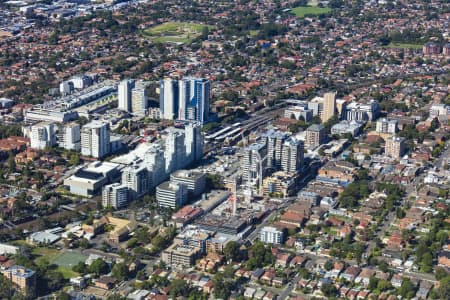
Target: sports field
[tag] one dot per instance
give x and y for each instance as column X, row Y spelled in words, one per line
column 404, row 46
column 175, row 32
column 302, row 11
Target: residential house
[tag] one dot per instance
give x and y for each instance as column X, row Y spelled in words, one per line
column 350, row 273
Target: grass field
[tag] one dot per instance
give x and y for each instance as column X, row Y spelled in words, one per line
column 175, row 32
column 301, row 11
column 65, row 260
column 68, row 259
column 404, row 46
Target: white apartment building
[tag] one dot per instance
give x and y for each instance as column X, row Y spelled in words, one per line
column 175, row 151
column 271, row 235
column 193, row 142
column 69, row 136
column 135, row 178
column 115, row 195
column 95, row 139
column 385, row 125
column 42, row 135
column 170, row 194
column 292, row 156
column 124, row 95
column 139, row 101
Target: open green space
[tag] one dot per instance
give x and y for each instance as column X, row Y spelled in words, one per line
column 302, row 11
column 65, row 260
column 67, row 272
column 42, row 253
column 175, row 32
column 404, row 45
column 68, row 259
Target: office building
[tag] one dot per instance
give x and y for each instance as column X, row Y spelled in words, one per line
column 139, row 101
column 175, row 150
column 194, row 181
column 23, row 278
column 275, row 141
column 136, row 179
column 193, row 142
column 115, row 195
column 95, row 139
column 385, row 125
column 329, row 106
column 169, row 99
column 124, row 95
column 69, row 136
column 395, row 147
column 362, row 112
column 271, row 235
column 171, row 195
column 315, row 136
column 292, row 156
column 42, row 135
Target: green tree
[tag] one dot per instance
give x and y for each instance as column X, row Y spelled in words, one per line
column 179, row 287
column 74, row 159
column 11, row 163
column 232, row 251
column 98, row 267
column 407, row 289
column 120, row 271
column 329, row 290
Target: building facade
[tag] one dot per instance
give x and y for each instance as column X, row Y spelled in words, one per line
column 124, row 95
column 385, row 125
column 315, row 135
column 139, row 101
column 95, row 139
column 292, row 156
column 395, row 147
column 329, row 106
column 194, row 181
column 69, row 136
column 42, row 135
column 136, row 179
column 171, row 195
column 271, row 235
column 186, row 99
column 115, row 195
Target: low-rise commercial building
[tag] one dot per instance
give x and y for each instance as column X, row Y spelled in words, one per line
column 89, row 181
